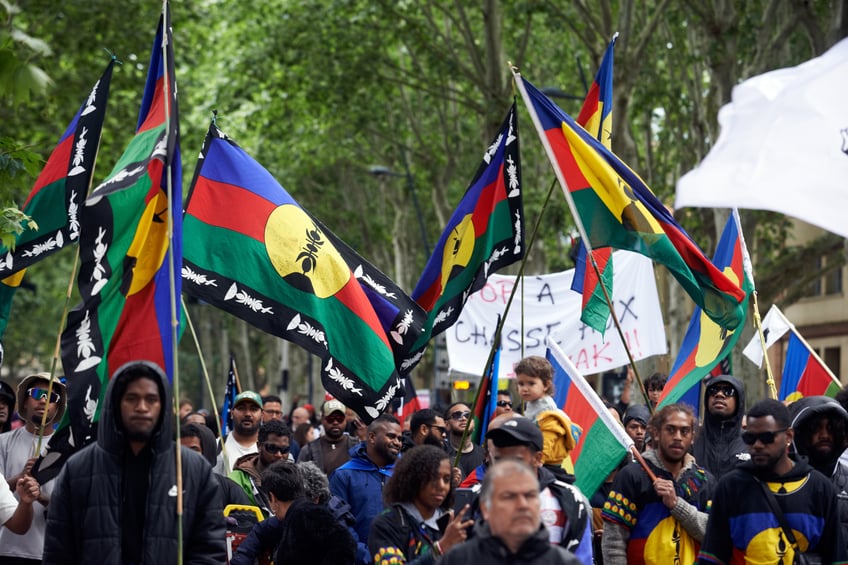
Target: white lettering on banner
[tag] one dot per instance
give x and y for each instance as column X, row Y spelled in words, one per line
column 550, row 308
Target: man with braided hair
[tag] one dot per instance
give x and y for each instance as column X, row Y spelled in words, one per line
column 659, row 517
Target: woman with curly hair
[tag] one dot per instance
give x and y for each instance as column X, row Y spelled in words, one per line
column 417, row 525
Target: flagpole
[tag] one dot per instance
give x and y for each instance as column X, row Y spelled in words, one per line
column 502, row 319
column 175, row 322
column 577, row 219
column 205, row 371
column 748, row 268
column 807, row 345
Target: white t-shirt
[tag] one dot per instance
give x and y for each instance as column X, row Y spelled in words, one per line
column 234, row 451
column 8, row 502
column 16, row 447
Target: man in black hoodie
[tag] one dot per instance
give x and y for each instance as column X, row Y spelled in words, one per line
column 718, row 446
column 115, row 501
column 742, row 524
column 820, row 425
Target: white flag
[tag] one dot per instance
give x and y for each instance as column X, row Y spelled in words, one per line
column 775, row 326
column 783, row 146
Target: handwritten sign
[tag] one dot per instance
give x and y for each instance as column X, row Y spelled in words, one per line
column 545, row 306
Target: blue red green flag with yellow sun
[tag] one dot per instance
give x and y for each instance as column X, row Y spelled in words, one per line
column 125, row 282
column 484, row 234
column 618, row 210
column 56, row 197
column 706, row 344
column 596, row 117
column 253, row 251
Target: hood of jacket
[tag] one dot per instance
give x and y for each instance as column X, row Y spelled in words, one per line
column 208, row 444
column 803, row 412
column 716, row 427
column 110, row 433
column 28, row 381
column 638, row 412
column 557, row 435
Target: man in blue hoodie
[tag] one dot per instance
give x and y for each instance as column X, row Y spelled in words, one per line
column 359, row 482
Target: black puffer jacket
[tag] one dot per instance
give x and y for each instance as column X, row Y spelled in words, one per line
column 485, row 549
column 84, row 519
column 719, row 446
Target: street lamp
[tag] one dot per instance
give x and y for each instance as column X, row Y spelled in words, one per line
column 383, row 171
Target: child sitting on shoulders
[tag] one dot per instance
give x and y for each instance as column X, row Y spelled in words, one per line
column 535, row 382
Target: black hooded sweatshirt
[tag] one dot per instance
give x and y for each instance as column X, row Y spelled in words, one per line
column 805, row 410
column 719, row 446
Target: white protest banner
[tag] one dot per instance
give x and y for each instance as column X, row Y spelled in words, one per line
column 550, row 307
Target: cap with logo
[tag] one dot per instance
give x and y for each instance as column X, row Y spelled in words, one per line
column 331, row 406
column 516, row 431
column 248, row 396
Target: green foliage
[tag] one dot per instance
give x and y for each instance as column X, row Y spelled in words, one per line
column 319, row 91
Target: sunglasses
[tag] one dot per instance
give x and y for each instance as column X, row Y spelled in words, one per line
column 727, row 391
column 442, row 429
column 766, row 438
column 41, row 393
column 335, row 418
column 504, row 403
column 273, row 449
column 459, row 415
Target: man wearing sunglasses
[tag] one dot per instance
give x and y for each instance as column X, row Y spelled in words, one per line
column 332, row 449
column 718, row 446
column 427, row 427
column 39, row 408
column 273, row 444
column 743, row 525
column 457, row 418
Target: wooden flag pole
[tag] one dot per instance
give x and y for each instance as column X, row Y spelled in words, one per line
column 620, row 331
column 575, row 214
column 758, row 323
column 643, row 463
column 502, row 320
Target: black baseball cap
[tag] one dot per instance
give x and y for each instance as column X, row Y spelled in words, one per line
column 516, row 431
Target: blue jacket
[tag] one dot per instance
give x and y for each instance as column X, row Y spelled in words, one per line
column 359, row 482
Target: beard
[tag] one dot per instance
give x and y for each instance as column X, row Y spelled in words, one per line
column 430, row 439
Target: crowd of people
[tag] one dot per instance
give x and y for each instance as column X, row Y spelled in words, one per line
column 767, row 484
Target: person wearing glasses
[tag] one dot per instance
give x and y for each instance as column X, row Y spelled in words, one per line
column 332, row 449
column 273, row 444
column 40, row 405
column 503, row 403
column 427, row 427
column 457, row 418
column 774, row 487
column 719, row 446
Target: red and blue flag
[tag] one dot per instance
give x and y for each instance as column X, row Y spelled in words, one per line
column 484, row 234
column 804, row 374
column 596, row 117
column 250, row 249
column 618, row 210
column 130, row 253
column 706, row 344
